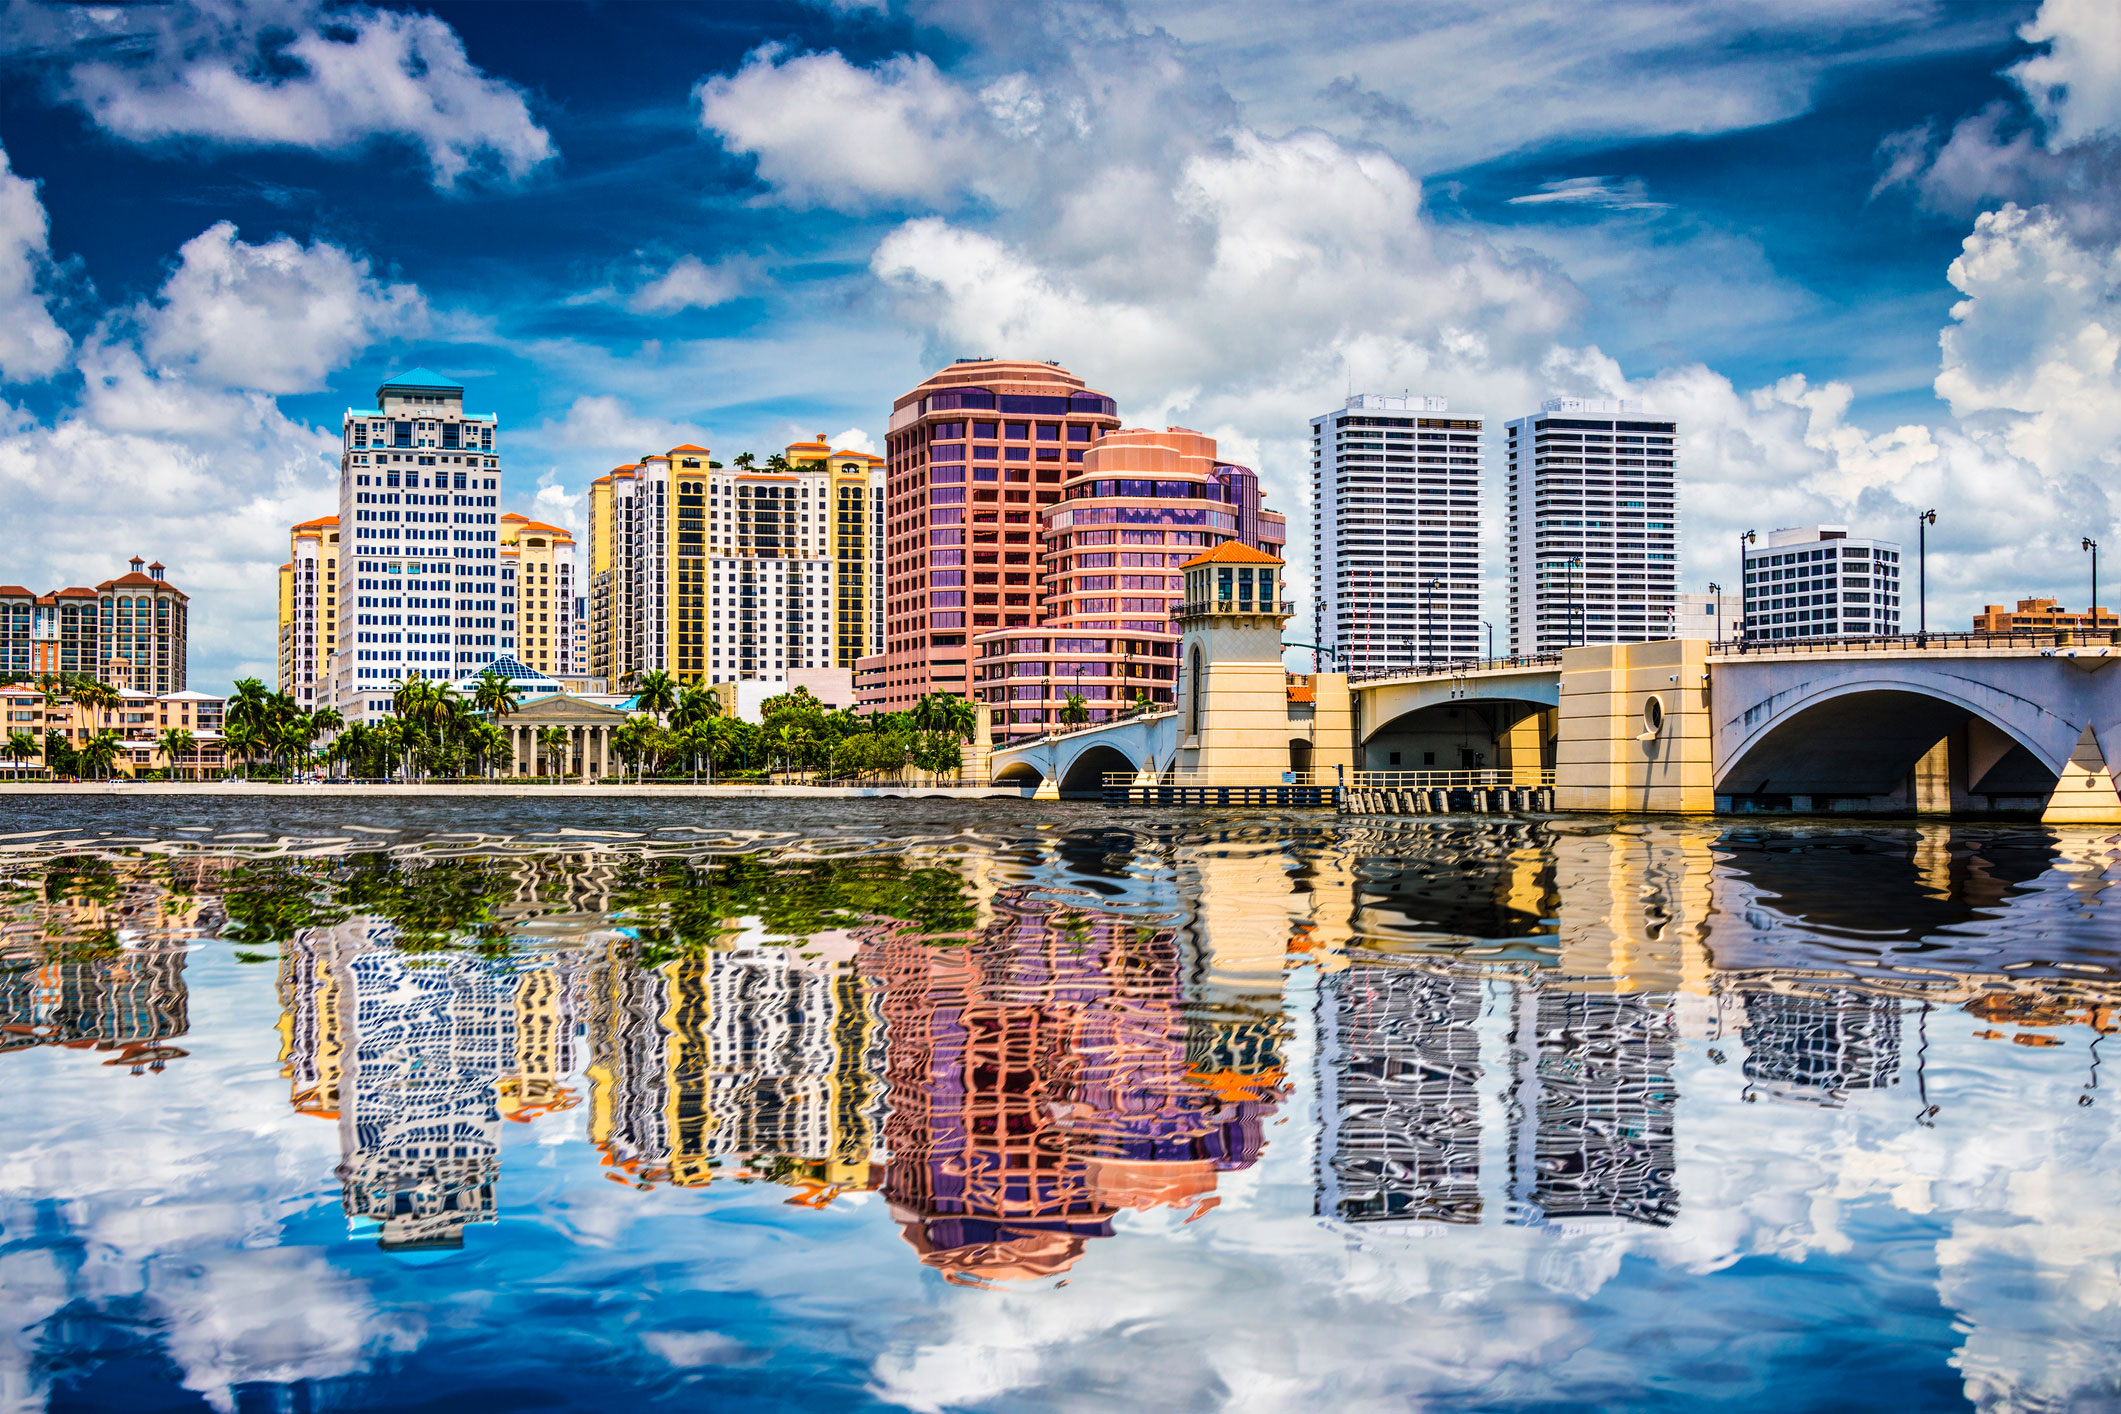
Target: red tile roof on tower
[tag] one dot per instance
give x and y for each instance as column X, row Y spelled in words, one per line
column 1232, row 552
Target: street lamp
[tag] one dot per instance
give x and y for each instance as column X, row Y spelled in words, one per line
column 1491, row 638
column 2093, row 546
column 1745, row 584
column 1923, row 523
column 1716, row 605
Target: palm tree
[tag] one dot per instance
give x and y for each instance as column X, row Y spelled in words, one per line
column 656, row 694
column 242, row 738
column 492, row 695
column 1074, row 710
column 175, row 742
column 101, row 750
column 556, row 741
column 488, row 740
column 744, row 460
column 353, row 745
column 22, row 747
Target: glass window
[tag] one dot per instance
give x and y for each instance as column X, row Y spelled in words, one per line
column 1019, row 431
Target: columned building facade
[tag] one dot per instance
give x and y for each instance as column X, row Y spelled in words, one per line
column 1593, row 535
column 1395, row 533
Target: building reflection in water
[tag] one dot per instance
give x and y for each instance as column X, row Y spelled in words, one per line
column 1049, row 1073
column 93, row 958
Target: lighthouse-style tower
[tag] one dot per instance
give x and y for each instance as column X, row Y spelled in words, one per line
column 1233, row 718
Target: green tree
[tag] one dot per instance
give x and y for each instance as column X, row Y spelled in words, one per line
column 1074, row 710
column 100, row 752
column 22, row 747
column 656, row 695
column 174, row 743
column 492, row 695
column 557, row 744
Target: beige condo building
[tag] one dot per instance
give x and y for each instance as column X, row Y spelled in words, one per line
column 309, row 611
column 542, row 559
column 131, row 632
column 716, row 574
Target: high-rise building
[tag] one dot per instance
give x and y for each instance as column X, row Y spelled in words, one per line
column 611, row 645
column 972, row 454
column 741, row 573
column 1097, row 620
column 132, row 632
column 309, row 611
column 419, row 509
column 543, row 559
column 1593, row 525
column 1395, row 533
column 1814, row 582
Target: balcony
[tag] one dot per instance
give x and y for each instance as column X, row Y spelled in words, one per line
column 1205, row 607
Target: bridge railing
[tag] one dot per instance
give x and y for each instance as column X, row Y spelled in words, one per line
column 1263, row 776
column 1491, row 778
column 1918, row 642
column 1078, row 728
column 1460, row 668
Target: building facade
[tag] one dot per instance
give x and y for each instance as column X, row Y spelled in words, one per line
column 132, row 632
column 1716, row 617
column 2041, row 615
column 1395, row 533
column 543, row 557
column 740, row 573
column 309, row 611
column 1815, row 582
column 420, row 486
column 972, row 455
column 1098, row 620
column 1593, row 532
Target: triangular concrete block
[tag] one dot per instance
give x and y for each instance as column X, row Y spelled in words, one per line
column 2085, row 795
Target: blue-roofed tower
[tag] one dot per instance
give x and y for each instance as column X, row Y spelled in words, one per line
column 423, row 587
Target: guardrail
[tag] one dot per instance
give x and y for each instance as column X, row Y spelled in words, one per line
column 1919, row 642
column 1461, row 667
column 1493, row 778
column 1260, row 777
column 1077, row 729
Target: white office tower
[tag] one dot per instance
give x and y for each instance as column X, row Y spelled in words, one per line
column 1594, row 527
column 1813, row 581
column 1395, row 533
column 422, row 587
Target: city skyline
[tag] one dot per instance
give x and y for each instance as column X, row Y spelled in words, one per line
column 1856, row 265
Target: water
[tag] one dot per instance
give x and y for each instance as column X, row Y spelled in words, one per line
column 928, row 1105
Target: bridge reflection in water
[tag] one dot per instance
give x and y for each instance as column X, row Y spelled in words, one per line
column 1023, row 1041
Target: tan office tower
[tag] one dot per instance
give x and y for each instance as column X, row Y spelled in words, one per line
column 610, row 542
column 309, row 611
column 542, row 558
column 972, row 453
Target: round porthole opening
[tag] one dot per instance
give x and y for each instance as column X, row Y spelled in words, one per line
column 1653, row 715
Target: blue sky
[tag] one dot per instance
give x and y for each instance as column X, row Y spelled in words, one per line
column 1865, row 249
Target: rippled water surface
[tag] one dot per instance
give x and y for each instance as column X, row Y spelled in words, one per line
column 934, row 1105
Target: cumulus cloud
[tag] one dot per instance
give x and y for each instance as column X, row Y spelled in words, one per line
column 609, row 429
column 826, row 133
column 275, row 317
column 32, row 345
column 291, row 73
column 2076, row 85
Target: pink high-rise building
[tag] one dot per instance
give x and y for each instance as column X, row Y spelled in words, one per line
column 1139, row 505
column 972, row 454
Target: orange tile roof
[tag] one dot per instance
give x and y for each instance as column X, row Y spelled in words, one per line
column 14, row 589
column 688, row 447
column 1232, row 552
column 319, row 521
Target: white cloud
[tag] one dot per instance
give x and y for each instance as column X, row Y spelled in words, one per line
column 691, row 283
column 1606, row 192
column 854, row 439
column 32, row 345
column 826, row 133
column 225, row 71
column 2076, row 85
column 276, row 317
column 605, row 431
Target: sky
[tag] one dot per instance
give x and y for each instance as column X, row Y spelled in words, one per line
column 1867, row 252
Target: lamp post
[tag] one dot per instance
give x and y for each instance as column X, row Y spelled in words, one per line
column 1716, row 607
column 2093, row 546
column 1491, row 638
column 1923, row 523
column 1745, row 585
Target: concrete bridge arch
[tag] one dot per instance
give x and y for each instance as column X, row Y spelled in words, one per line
column 1864, row 731
column 1464, row 721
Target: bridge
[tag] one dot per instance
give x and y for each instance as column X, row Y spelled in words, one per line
column 1941, row 723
